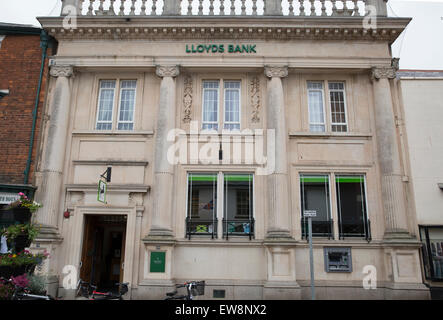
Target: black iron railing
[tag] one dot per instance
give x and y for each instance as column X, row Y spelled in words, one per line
column 320, row 228
column 201, row 227
column 360, row 229
column 238, row 227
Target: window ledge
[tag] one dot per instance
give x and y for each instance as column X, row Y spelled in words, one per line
column 110, row 162
column 330, row 135
column 220, row 134
column 111, row 133
column 136, row 188
column 232, row 241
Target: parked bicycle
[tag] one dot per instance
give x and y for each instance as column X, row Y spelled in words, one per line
column 193, row 288
column 21, row 293
column 89, row 291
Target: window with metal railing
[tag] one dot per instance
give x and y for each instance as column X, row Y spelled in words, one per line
column 351, row 206
column 234, row 213
column 315, row 195
column 349, row 199
column 432, row 251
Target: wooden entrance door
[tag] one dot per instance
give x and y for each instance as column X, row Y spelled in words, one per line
column 122, row 262
column 92, row 250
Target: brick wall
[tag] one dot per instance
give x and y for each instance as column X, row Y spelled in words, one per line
column 20, row 62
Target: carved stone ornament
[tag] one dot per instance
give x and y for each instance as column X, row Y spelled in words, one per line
column 187, row 99
column 61, row 71
column 255, row 99
column 383, row 73
column 167, row 71
column 395, row 63
column 276, row 71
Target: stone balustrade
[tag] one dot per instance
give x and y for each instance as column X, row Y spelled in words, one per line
column 295, row 8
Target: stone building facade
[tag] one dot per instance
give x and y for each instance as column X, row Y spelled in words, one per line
column 221, row 131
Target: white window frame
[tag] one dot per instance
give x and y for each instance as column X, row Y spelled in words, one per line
column 218, row 105
column 221, row 121
column 98, row 105
column 120, row 103
column 239, row 106
column 344, row 103
column 323, row 105
column 116, row 104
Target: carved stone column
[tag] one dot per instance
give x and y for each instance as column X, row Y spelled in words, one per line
column 278, row 196
column 163, row 170
column 51, row 189
column 389, row 155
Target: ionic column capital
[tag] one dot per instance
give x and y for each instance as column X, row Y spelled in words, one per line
column 61, row 71
column 167, row 71
column 378, row 73
column 276, row 71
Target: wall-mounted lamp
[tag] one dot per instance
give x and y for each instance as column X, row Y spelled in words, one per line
column 66, row 214
column 3, row 93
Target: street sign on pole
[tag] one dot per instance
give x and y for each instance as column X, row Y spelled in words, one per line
column 311, row 214
column 311, row 259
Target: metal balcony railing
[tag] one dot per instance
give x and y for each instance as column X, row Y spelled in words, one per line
column 319, row 228
column 201, row 227
column 349, row 229
column 300, row 8
column 238, row 227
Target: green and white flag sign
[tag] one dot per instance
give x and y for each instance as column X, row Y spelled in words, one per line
column 101, row 194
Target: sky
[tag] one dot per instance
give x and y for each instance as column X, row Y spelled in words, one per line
column 419, row 47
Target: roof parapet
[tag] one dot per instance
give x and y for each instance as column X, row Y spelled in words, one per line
column 308, row 8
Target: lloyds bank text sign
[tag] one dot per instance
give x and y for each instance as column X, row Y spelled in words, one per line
column 221, row 48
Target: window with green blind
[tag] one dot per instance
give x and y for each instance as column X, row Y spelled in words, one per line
column 202, row 203
column 238, row 203
column 237, row 197
column 315, row 195
column 350, row 191
column 351, row 205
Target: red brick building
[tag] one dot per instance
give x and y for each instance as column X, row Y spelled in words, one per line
column 24, row 52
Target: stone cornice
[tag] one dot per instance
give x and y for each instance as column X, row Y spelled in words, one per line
column 167, row 71
column 283, row 28
column 61, row 71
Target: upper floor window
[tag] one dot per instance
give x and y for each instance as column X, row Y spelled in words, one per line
column 212, row 100
column 317, row 106
column 337, row 100
column 111, row 91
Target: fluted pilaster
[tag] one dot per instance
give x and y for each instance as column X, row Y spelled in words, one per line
column 393, row 195
column 278, row 196
column 163, row 170
column 51, row 188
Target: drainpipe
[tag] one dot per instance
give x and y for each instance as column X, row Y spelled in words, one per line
column 44, row 43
